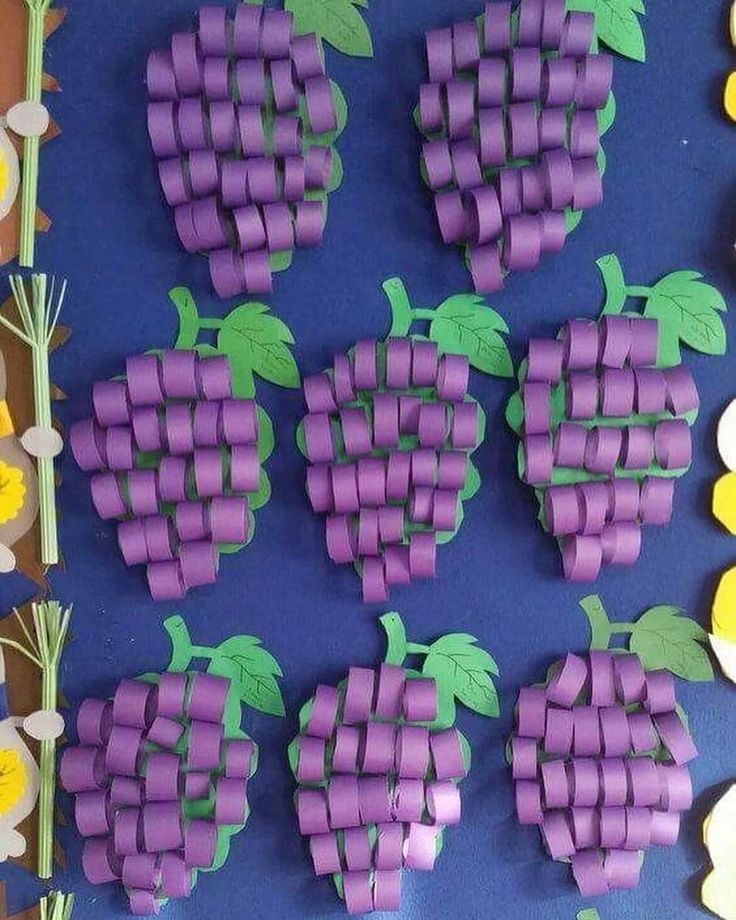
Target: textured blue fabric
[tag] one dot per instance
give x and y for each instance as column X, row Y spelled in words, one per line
column 668, row 205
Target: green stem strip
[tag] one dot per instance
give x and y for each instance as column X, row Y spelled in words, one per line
column 210, row 323
column 38, row 317
column 56, row 906
column 415, row 648
column 622, row 628
column 420, row 313
column 636, row 291
column 31, row 145
column 52, row 626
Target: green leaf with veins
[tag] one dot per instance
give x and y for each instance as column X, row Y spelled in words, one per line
column 258, row 343
column 688, row 310
column 463, row 668
column 253, row 670
column 665, row 639
column 464, row 325
column 336, row 21
column 616, row 24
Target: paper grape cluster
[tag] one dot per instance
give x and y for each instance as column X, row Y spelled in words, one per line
column 175, row 459
column 155, row 780
column 599, row 763
column 603, row 437
column 512, row 126
column 376, row 785
column 389, row 434
column 242, row 120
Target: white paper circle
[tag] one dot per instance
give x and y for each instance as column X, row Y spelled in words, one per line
column 7, row 559
column 42, row 442
column 44, row 725
column 726, row 437
column 28, row 119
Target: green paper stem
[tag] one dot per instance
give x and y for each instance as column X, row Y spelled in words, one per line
column 423, row 314
column 210, row 323
column 51, row 625
column 37, row 10
column 401, row 308
column 56, row 906
column 662, row 638
column 635, row 291
column 415, row 648
column 38, row 318
column 45, row 647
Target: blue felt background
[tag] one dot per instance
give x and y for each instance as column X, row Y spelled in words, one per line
column 668, row 205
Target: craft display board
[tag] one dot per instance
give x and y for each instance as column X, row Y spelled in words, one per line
column 668, row 205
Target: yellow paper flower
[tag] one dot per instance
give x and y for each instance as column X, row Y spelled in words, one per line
column 12, row 492
column 9, row 176
column 13, row 779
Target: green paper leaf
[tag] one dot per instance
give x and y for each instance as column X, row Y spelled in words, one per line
column 280, row 261
column 663, row 638
column 613, row 279
column 396, row 636
column 258, row 343
column 572, row 219
column 616, row 25
column 463, row 668
column 462, row 324
column 607, row 115
column 590, row 913
column 337, row 21
column 338, row 173
column 266, row 436
column 186, row 307
column 515, row 413
column 688, row 310
column 253, row 670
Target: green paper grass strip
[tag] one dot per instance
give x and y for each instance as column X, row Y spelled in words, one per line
column 56, row 906
column 451, row 670
column 38, row 317
column 37, row 10
column 44, row 646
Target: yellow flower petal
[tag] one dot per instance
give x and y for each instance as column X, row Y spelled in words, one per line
column 724, row 607
column 13, row 779
column 729, row 96
column 12, row 492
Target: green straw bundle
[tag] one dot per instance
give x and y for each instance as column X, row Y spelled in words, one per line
column 37, row 10
column 38, row 318
column 44, row 648
column 56, row 906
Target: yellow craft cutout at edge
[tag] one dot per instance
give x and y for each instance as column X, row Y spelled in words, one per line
column 724, row 501
column 723, row 611
column 729, row 96
column 732, row 24
column 6, row 420
column 13, row 779
column 12, row 492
